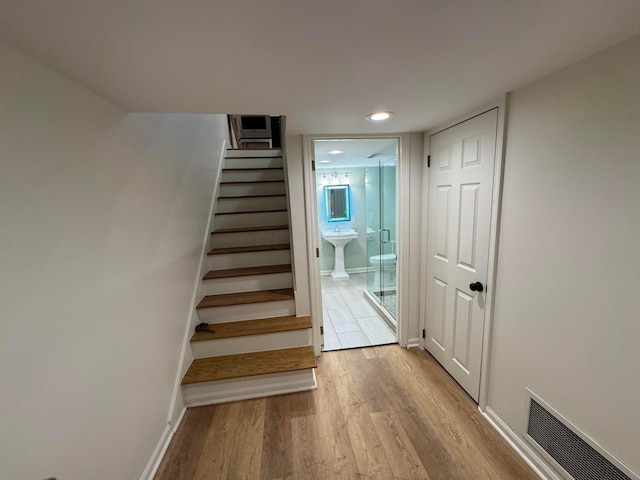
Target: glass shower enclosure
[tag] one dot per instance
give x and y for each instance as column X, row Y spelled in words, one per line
column 382, row 234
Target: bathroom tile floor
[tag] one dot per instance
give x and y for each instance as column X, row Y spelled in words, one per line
column 349, row 320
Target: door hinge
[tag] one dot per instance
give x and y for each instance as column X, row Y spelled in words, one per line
column 317, row 252
column 424, row 333
column 321, row 330
column 313, row 165
column 428, row 161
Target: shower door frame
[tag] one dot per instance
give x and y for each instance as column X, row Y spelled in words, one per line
column 402, row 227
column 382, row 285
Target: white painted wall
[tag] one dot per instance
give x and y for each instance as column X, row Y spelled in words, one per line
column 102, row 216
column 567, row 318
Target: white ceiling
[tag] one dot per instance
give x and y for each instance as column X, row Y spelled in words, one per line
column 355, row 152
column 325, row 64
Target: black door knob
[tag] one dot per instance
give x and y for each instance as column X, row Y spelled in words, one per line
column 476, row 287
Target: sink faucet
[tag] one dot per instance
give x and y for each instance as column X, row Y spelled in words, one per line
column 337, row 227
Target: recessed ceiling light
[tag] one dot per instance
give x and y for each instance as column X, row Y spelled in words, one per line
column 335, row 152
column 378, row 116
column 325, row 161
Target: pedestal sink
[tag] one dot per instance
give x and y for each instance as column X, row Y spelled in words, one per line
column 339, row 238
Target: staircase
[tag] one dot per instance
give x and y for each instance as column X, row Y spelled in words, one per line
column 250, row 342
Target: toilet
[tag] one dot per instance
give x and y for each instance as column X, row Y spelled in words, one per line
column 388, row 264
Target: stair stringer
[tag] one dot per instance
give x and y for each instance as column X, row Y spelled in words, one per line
column 178, row 404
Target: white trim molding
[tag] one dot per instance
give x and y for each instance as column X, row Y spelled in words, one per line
column 519, row 445
column 244, row 388
column 403, row 179
column 161, row 448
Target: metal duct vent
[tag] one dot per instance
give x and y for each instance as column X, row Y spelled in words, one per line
column 572, row 453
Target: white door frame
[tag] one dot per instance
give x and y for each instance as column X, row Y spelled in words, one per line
column 496, row 203
column 402, row 246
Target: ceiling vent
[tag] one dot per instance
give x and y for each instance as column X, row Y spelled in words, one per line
column 374, row 155
column 577, row 455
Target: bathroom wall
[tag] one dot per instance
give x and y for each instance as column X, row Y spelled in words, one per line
column 355, row 252
column 365, row 210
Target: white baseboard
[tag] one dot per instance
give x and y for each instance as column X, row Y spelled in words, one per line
column 520, row 446
column 161, row 448
column 348, row 270
column 413, row 342
column 221, row 391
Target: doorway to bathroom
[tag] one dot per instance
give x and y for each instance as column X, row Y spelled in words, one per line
column 356, row 209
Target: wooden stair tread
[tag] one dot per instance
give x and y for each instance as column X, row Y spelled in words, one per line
column 249, row 153
column 253, row 211
column 251, row 182
column 229, row 197
column 251, row 229
column 249, row 364
column 251, row 148
column 251, row 169
column 244, row 298
column 253, row 248
column 247, row 271
column 259, row 326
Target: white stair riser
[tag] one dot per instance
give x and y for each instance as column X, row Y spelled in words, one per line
column 254, row 203
column 252, row 343
column 242, row 153
column 258, row 162
column 249, row 387
column 250, row 311
column 245, row 239
column 249, row 283
column 249, row 189
column 252, row 175
column 251, row 219
column 248, row 259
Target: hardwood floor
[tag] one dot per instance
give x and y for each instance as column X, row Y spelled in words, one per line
column 378, row 413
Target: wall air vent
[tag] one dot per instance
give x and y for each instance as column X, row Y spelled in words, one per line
column 577, row 457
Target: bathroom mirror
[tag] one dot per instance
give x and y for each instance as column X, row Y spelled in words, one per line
column 337, row 203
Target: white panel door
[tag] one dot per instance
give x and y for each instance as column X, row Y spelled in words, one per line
column 460, row 196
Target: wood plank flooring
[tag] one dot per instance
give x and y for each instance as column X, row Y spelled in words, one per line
column 378, row 413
